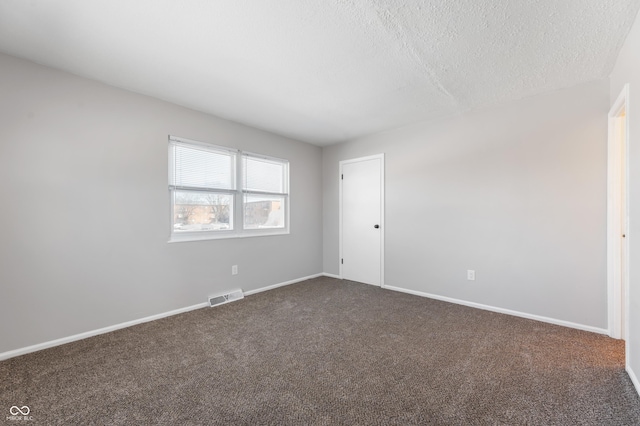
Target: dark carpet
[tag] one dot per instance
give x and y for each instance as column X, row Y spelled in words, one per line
column 328, row 352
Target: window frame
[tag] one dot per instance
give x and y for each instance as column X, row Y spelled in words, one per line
column 238, row 195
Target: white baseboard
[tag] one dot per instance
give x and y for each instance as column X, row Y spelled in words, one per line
column 69, row 339
column 326, row 274
column 271, row 287
column 634, row 378
column 75, row 337
column 80, row 336
column 501, row 310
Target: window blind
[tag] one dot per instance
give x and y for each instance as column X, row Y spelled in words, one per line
column 264, row 175
column 201, row 168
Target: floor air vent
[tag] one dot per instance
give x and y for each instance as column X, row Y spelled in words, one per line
column 226, row 298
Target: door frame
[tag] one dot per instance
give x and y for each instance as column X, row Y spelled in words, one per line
column 382, row 204
column 617, row 276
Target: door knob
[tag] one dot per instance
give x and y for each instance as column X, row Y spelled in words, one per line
column 376, row 226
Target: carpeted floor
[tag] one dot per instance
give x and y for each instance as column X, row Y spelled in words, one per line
column 328, row 352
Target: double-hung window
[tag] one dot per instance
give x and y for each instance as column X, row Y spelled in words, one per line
column 219, row 192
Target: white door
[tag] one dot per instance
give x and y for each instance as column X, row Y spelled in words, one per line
column 361, row 219
column 622, row 234
column 618, row 217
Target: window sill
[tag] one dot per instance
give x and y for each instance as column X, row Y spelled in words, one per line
column 223, row 235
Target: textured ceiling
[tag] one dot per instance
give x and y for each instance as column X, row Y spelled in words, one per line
column 324, row 71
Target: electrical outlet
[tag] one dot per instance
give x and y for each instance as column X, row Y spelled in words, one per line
column 471, row 275
column 234, row 270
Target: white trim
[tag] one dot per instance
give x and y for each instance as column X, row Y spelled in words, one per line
column 265, row 157
column 80, row 336
column 187, row 142
column 225, row 235
column 634, row 378
column 271, row 287
column 382, row 222
column 615, row 276
column 326, row 274
column 340, row 176
column 501, row 310
column 75, row 337
column 382, row 208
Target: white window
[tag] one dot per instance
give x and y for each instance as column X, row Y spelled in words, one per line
column 207, row 201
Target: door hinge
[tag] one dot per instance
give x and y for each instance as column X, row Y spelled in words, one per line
column 342, row 177
column 342, row 261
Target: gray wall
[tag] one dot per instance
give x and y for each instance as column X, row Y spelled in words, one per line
column 627, row 70
column 85, row 208
column 517, row 193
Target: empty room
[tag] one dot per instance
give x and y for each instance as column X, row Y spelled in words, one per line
column 336, row 212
